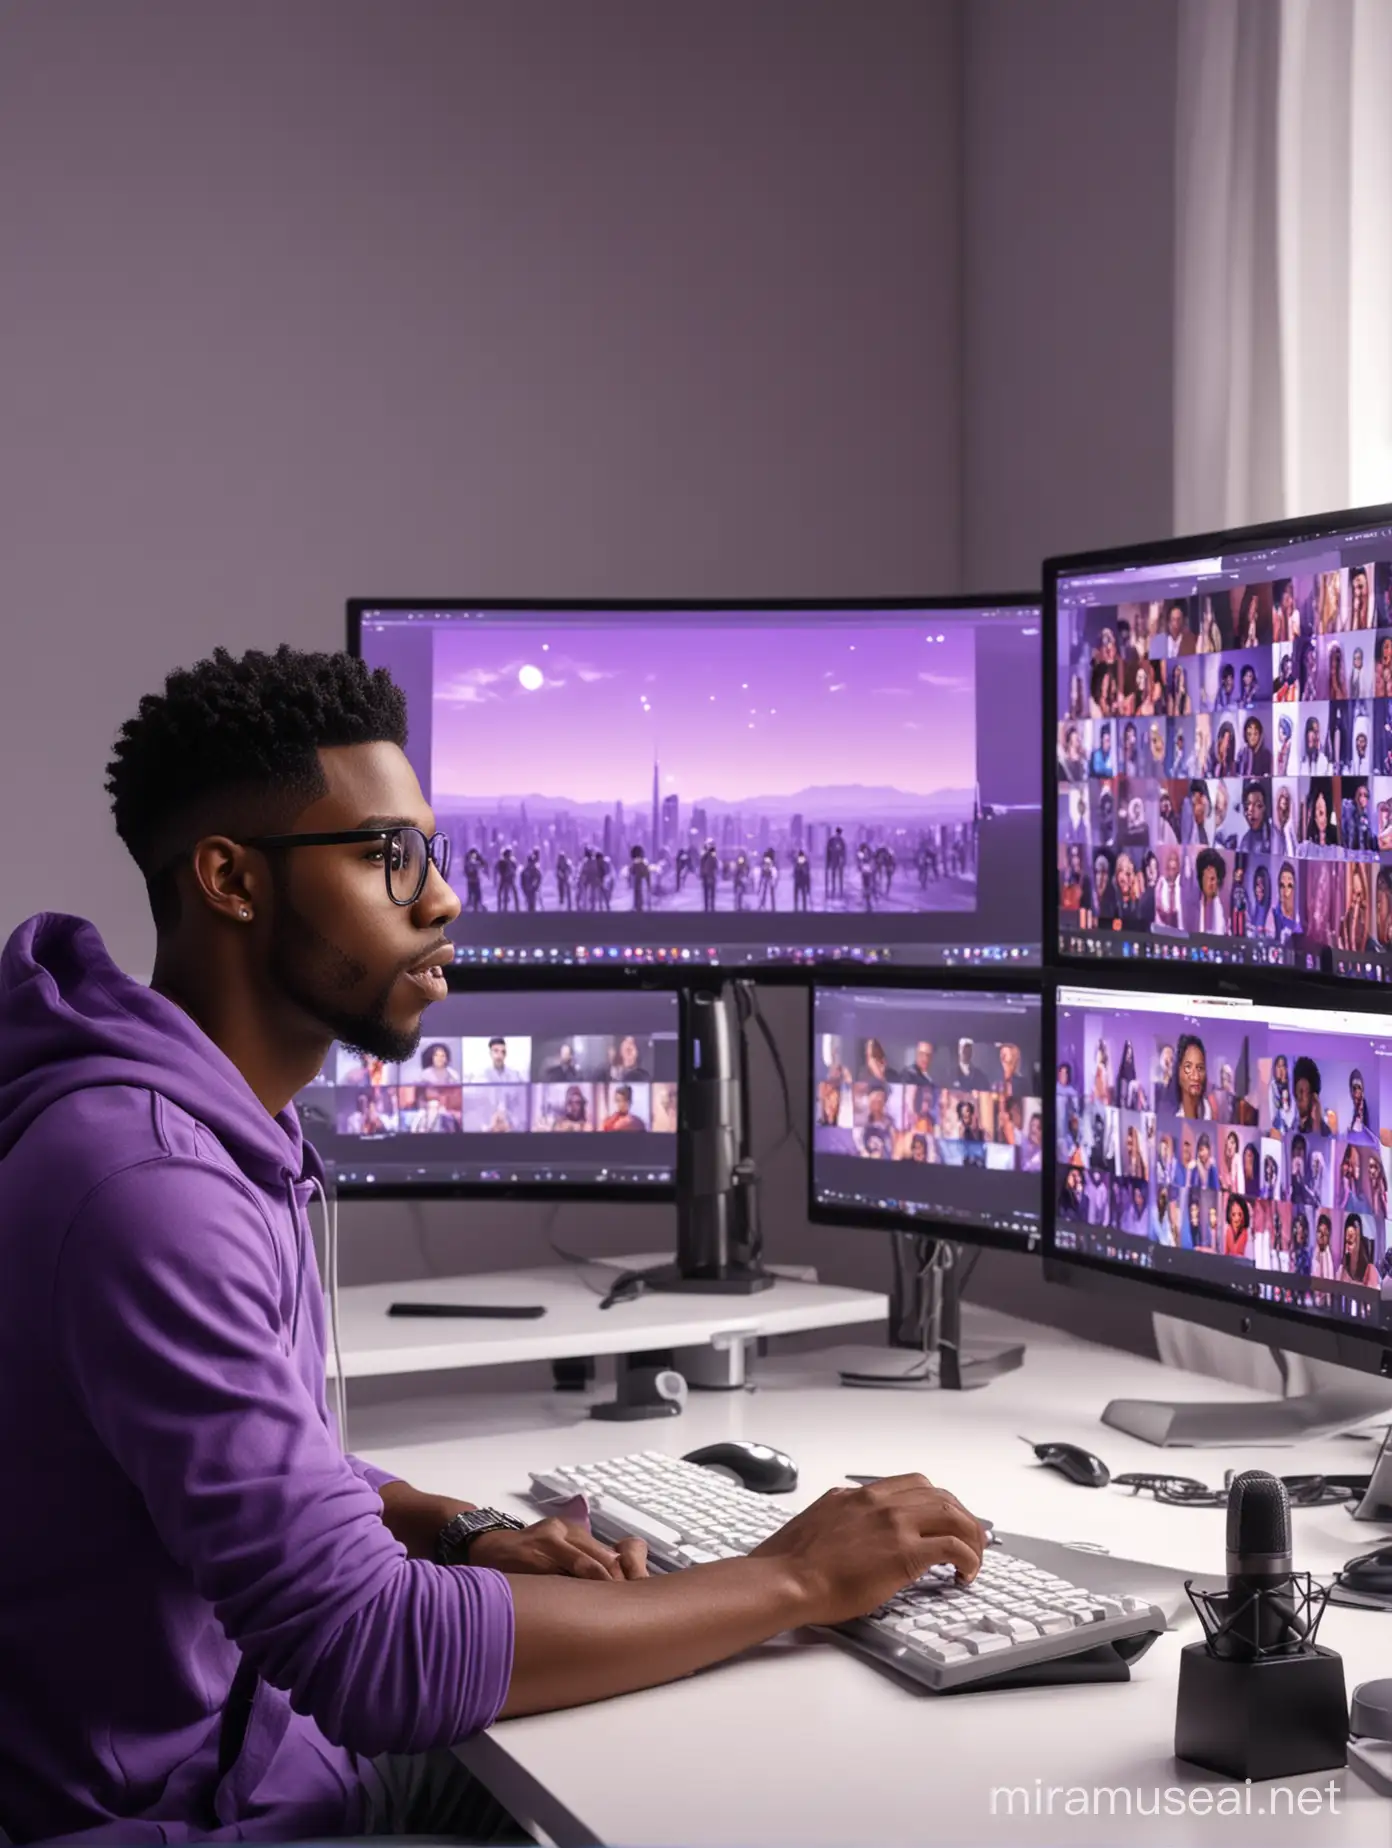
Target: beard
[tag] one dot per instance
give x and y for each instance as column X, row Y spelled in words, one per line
column 317, row 976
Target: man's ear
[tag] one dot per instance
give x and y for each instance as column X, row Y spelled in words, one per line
column 225, row 879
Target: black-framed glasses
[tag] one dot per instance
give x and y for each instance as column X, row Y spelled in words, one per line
column 1186, row 1492
column 409, row 854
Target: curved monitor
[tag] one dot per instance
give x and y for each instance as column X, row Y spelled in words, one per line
column 509, row 1092
column 1229, row 1151
column 1222, row 745
column 728, row 785
column 927, row 1112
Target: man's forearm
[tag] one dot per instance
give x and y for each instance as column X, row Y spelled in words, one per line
column 415, row 1518
column 581, row 1640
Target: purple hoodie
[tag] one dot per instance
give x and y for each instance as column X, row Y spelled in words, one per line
column 175, row 1490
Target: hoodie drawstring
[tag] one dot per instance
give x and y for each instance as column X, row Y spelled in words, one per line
column 331, row 1267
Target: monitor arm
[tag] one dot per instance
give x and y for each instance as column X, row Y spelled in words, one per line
column 719, row 1237
column 925, row 1314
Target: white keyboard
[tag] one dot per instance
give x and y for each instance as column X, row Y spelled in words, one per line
column 1014, row 1616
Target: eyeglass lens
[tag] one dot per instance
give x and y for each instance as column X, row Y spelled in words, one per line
column 408, row 863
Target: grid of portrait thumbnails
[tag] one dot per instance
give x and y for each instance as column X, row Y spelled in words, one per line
column 503, row 1084
column 1225, row 772
column 961, row 1106
column 1203, row 1141
column 929, row 1076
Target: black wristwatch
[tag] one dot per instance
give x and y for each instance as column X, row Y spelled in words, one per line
column 458, row 1535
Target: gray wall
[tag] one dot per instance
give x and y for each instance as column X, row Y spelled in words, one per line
column 513, row 297
column 1068, row 271
column 312, row 298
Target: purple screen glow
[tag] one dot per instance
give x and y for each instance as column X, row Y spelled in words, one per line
column 729, row 786
column 1224, row 756
column 1249, row 1148
column 927, row 1105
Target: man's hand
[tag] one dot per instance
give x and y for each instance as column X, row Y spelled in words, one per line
column 553, row 1546
column 856, row 1547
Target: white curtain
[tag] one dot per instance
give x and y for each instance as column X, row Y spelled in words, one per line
column 1283, row 309
column 1283, row 316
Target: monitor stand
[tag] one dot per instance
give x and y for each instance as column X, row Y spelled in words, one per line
column 925, row 1314
column 1198, row 1424
column 719, row 1238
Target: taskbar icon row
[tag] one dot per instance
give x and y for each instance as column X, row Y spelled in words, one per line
column 1113, row 946
column 1023, row 1223
column 476, row 1174
column 594, row 956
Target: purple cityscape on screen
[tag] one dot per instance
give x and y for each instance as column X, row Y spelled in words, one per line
column 679, row 765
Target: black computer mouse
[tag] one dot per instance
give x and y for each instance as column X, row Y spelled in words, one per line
column 1370, row 1573
column 1072, row 1461
column 752, row 1466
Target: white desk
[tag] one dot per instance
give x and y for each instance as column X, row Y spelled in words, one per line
column 804, row 1744
column 375, row 1343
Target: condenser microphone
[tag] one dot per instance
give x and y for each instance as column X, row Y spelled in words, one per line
column 1259, row 1697
column 1260, row 1612
column 1259, row 1529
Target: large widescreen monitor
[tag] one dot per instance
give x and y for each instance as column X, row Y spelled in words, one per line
column 1222, row 741
column 730, row 785
column 927, row 1112
column 514, row 1091
column 1227, row 1149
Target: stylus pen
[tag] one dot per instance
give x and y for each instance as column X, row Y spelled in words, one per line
column 484, row 1312
column 865, row 1482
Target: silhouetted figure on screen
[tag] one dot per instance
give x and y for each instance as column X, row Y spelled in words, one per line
column 741, row 878
column 473, row 880
column 802, row 881
column 505, row 879
column 710, row 873
column 865, row 861
column 640, row 878
column 768, row 881
column 836, row 865
column 604, row 880
column 683, row 866
column 531, row 879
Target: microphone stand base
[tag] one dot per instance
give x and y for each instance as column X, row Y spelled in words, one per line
column 1279, row 1716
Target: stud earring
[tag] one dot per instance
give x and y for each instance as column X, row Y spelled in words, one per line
column 245, row 912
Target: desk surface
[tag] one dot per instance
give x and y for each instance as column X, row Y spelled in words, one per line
column 375, row 1343
column 799, row 1742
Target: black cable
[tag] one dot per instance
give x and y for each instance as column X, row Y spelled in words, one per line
column 965, row 1275
column 575, row 1257
column 581, row 1264
column 790, row 1127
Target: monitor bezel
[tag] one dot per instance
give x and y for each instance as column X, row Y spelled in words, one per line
column 1188, row 1298
column 992, row 1238
column 1264, row 982
column 555, row 1192
column 796, row 975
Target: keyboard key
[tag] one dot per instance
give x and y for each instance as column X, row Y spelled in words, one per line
column 634, row 1521
column 984, row 1642
column 937, row 1649
column 1016, row 1629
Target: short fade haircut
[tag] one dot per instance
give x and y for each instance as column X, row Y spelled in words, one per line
column 232, row 746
